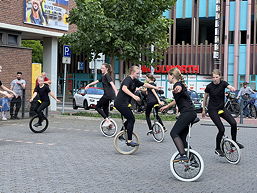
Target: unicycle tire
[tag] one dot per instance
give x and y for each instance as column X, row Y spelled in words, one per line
column 121, row 146
column 231, row 151
column 109, row 131
column 158, row 132
column 39, row 129
column 187, row 171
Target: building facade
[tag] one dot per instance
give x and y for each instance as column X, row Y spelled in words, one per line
column 32, row 20
column 200, row 27
column 193, row 37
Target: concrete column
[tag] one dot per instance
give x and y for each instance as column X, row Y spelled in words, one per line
column 226, row 41
column 50, row 53
column 236, row 42
column 248, row 53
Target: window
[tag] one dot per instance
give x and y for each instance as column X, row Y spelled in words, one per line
column 242, row 77
column 243, row 37
column 12, row 39
column 231, row 37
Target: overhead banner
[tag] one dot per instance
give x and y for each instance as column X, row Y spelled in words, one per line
column 47, row 13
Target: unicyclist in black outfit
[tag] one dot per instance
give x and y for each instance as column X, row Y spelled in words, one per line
column 123, row 99
column 216, row 93
column 110, row 92
column 187, row 112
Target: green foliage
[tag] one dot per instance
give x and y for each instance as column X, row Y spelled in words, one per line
column 37, row 50
column 122, row 28
column 117, row 115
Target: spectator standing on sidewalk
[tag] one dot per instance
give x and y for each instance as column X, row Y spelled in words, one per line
column 17, row 85
column 244, row 95
column 5, row 107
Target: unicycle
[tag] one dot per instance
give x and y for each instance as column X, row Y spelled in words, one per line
column 230, row 150
column 121, row 139
column 157, row 129
column 35, row 120
column 191, row 170
column 111, row 129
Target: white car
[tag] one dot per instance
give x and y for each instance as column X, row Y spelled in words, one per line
column 87, row 98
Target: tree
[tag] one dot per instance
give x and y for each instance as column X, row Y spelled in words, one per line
column 121, row 28
column 37, row 49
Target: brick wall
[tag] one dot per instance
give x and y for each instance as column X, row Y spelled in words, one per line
column 12, row 12
column 15, row 60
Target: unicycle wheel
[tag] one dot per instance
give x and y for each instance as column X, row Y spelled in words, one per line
column 231, row 151
column 108, row 131
column 38, row 129
column 120, row 143
column 158, row 132
column 187, row 171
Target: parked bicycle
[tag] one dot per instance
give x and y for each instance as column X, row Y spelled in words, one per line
column 250, row 105
column 232, row 104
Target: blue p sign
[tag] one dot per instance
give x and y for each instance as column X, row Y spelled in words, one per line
column 66, row 51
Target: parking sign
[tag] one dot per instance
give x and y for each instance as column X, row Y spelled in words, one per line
column 66, row 51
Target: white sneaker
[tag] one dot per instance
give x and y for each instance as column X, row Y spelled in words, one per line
column 4, row 119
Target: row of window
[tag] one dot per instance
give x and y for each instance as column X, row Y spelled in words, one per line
column 9, row 39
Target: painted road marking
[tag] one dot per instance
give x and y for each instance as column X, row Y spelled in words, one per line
column 27, row 142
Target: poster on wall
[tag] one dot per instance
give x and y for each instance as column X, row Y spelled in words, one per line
column 47, row 13
column 201, row 86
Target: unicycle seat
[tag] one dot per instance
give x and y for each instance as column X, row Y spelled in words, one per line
column 195, row 121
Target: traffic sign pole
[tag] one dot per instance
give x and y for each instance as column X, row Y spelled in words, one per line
column 66, row 59
column 64, row 86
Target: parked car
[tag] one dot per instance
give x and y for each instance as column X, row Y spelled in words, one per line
column 196, row 100
column 87, row 98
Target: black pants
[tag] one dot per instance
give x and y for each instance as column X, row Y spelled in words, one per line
column 215, row 117
column 148, row 111
column 102, row 107
column 180, row 130
column 17, row 103
column 130, row 119
column 39, row 110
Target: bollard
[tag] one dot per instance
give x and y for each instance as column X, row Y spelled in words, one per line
column 241, row 111
column 23, row 104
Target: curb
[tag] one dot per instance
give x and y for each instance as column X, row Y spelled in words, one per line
column 93, row 118
column 225, row 125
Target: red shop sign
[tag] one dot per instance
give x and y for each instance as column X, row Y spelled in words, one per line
column 164, row 69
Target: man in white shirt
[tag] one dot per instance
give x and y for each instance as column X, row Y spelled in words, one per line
column 17, row 85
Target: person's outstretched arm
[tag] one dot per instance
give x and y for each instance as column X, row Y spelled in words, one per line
column 92, row 83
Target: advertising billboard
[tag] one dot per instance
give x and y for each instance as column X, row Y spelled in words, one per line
column 47, row 13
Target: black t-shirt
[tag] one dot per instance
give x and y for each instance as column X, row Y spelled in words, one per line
column 43, row 93
column 122, row 98
column 1, row 83
column 108, row 90
column 151, row 98
column 216, row 95
column 183, row 99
